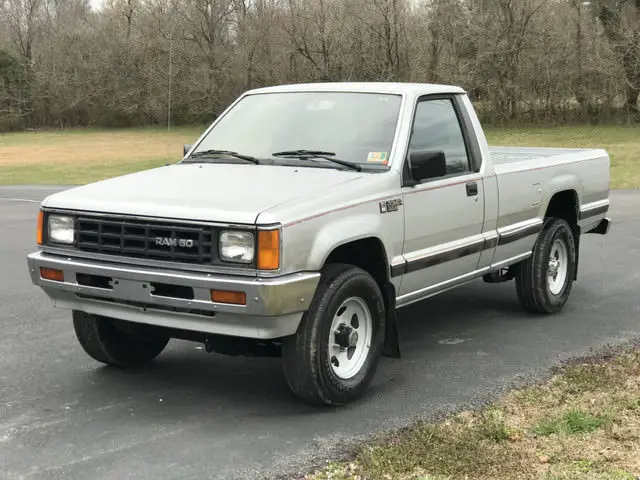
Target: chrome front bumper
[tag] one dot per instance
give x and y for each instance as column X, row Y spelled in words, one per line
column 274, row 306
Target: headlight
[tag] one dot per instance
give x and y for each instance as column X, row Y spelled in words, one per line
column 238, row 247
column 60, row 229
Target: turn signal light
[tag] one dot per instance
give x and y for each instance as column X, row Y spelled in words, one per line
column 268, row 249
column 40, row 227
column 52, row 274
column 233, row 298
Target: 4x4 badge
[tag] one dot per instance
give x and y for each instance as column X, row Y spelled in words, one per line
column 390, row 205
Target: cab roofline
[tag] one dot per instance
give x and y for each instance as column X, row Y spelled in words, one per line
column 396, row 88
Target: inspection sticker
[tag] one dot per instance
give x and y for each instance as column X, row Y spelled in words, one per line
column 378, row 157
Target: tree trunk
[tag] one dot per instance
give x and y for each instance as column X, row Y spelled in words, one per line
column 633, row 92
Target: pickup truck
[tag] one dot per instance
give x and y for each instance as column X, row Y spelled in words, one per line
column 303, row 218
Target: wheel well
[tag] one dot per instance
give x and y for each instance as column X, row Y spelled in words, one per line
column 564, row 205
column 367, row 253
column 370, row 255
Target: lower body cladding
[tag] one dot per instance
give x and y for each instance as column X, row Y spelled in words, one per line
column 258, row 308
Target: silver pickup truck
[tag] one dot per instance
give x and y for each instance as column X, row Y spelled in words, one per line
column 303, row 218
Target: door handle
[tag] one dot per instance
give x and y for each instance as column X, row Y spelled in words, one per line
column 472, row 189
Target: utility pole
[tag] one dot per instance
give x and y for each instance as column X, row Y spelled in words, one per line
column 171, row 13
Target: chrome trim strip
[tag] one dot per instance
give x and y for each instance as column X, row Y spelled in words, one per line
column 265, row 297
column 398, row 270
column 593, row 209
column 398, row 267
column 443, row 248
column 518, row 231
column 510, row 261
column 269, row 226
column 437, row 255
column 418, row 295
column 592, row 205
column 436, row 258
column 490, row 239
column 409, row 298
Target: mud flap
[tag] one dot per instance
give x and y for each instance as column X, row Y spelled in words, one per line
column 577, row 232
column 391, row 337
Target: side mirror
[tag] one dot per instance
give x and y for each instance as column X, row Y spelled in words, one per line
column 427, row 164
column 186, row 147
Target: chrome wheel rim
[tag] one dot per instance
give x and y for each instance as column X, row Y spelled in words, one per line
column 350, row 338
column 558, row 266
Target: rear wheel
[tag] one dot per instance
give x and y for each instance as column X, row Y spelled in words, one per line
column 117, row 342
column 544, row 280
column 335, row 352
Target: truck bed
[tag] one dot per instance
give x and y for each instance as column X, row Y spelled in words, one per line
column 527, row 177
column 517, row 159
column 503, row 155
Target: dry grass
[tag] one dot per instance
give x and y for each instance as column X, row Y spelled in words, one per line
column 584, row 424
column 82, row 156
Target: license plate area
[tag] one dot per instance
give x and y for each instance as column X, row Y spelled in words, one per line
column 132, row 290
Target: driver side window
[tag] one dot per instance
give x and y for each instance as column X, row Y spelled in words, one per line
column 436, row 128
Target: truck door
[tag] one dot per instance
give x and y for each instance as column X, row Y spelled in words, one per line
column 444, row 215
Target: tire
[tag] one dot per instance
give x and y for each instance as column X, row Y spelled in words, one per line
column 117, row 342
column 308, row 359
column 538, row 290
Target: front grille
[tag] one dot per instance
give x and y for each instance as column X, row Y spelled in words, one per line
column 166, row 241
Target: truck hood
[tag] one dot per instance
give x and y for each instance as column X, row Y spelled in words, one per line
column 227, row 193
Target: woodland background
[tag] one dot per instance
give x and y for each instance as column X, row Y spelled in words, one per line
column 64, row 63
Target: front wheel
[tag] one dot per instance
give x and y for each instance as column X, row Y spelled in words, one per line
column 335, row 352
column 544, row 280
column 117, row 342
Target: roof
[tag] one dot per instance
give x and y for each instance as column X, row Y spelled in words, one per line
column 397, row 88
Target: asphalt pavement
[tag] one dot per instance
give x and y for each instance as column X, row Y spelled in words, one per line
column 196, row 415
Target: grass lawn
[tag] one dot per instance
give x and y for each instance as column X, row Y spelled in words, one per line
column 82, row 156
column 72, row 157
column 583, row 424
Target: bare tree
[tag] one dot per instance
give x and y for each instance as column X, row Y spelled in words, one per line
column 22, row 17
column 621, row 21
column 140, row 62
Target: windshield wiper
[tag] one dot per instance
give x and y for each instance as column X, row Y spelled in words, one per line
column 310, row 154
column 226, row 153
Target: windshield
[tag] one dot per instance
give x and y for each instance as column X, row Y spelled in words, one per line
column 356, row 127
